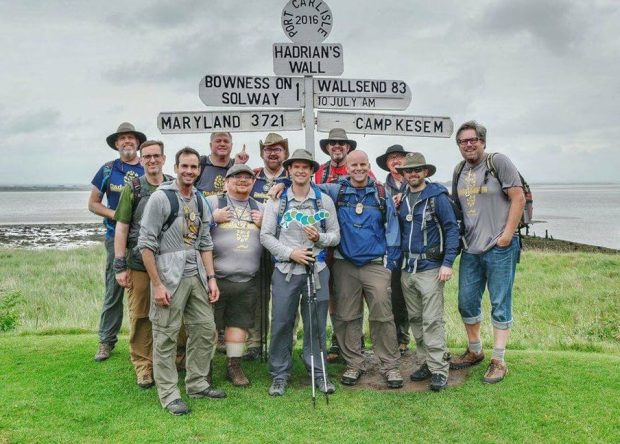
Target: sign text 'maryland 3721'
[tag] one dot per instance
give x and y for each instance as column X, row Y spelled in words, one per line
column 387, row 124
column 308, row 59
column 280, row 92
column 233, row 121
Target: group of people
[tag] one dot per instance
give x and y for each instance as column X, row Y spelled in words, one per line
column 205, row 251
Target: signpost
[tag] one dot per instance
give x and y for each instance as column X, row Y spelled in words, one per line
column 281, row 92
column 307, row 23
column 385, row 124
column 361, row 94
column 307, row 60
column 233, row 121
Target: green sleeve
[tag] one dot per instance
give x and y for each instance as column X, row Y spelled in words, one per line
column 125, row 206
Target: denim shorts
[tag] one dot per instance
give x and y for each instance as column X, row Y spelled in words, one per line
column 494, row 269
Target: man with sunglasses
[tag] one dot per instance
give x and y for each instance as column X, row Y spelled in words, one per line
column 492, row 207
column 430, row 242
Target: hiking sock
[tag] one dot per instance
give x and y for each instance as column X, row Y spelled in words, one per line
column 475, row 347
column 234, row 349
column 498, row 353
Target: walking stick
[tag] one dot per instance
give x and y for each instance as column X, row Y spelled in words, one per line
column 313, row 310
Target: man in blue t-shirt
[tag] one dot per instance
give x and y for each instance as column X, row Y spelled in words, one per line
column 109, row 181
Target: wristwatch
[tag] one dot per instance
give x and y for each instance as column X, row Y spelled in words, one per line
column 211, row 276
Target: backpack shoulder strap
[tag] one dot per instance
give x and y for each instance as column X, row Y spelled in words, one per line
column 200, row 203
column 136, row 188
column 281, row 211
column 340, row 198
column 174, row 209
column 318, row 205
column 325, row 175
column 107, row 172
column 455, row 181
column 381, row 194
column 253, row 203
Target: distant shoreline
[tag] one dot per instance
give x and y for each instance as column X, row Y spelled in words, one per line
column 50, row 236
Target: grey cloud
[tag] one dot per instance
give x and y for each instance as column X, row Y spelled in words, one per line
column 555, row 24
column 30, row 122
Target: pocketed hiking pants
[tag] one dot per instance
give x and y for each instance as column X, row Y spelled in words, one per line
column 189, row 303
column 353, row 284
column 112, row 312
column 399, row 309
column 140, row 329
column 425, row 304
column 285, row 303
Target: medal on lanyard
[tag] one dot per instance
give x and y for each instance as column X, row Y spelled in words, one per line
column 409, row 217
column 359, row 208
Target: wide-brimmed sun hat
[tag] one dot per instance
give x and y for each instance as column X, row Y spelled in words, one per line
column 382, row 159
column 302, row 155
column 123, row 128
column 337, row 134
column 415, row 160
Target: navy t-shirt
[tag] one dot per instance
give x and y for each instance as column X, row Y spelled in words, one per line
column 263, row 185
column 121, row 174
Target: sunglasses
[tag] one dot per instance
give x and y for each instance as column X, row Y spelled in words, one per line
column 337, row 142
column 413, row 170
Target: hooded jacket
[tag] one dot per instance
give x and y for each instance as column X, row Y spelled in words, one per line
column 439, row 227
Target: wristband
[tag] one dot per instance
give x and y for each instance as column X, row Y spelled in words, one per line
column 211, row 276
column 119, row 264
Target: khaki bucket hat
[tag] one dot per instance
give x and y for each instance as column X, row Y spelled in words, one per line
column 415, row 160
column 123, row 128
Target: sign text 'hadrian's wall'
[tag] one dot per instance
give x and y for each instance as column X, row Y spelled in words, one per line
column 300, row 59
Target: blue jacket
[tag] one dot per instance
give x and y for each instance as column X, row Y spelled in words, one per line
column 442, row 231
column 366, row 236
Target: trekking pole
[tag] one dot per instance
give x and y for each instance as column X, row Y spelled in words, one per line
column 312, row 308
column 309, row 273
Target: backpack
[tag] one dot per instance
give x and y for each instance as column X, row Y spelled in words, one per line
column 528, row 210
column 136, row 188
column 174, row 207
column 381, row 197
column 436, row 252
column 318, row 206
column 107, row 172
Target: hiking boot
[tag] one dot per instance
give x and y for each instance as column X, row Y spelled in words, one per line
column 178, row 408
column 403, row 348
column 496, row 372
column 421, row 374
column 235, row 374
column 209, row 392
column 278, row 387
column 145, row 380
column 438, row 382
column 252, row 354
column 350, row 376
column 467, row 359
column 104, row 351
column 324, row 386
column 394, row 379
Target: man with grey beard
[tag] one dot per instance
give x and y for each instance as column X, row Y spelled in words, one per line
column 109, row 181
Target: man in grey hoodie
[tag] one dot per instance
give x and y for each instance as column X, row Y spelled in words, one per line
column 177, row 252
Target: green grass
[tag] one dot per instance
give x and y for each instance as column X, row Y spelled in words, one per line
column 52, row 391
column 562, row 301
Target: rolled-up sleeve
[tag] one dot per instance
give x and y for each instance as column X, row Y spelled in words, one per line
column 268, row 232
column 331, row 237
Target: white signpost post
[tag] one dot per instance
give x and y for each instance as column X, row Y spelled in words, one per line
column 307, row 23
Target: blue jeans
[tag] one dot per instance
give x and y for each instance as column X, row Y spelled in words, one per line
column 285, row 299
column 494, row 269
column 112, row 312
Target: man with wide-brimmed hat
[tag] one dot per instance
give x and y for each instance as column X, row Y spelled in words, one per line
column 430, row 243
column 297, row 229
column 109, row 181
column 273, row 151
column 394, row 182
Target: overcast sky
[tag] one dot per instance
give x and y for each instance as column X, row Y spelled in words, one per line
column 542, row 75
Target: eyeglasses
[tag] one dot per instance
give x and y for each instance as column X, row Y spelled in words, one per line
column 413, row 170
column 277, row 150
column 465, row 142
column 337, row 142
column 148, row 157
